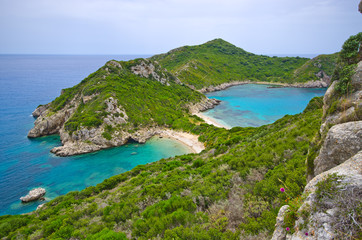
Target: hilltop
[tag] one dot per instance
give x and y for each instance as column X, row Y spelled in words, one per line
column 218, row 61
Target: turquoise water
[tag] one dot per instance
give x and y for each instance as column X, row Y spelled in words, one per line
column 29, row 80
column 253, row 105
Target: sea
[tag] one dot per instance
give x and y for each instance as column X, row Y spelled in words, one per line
column 29, row 80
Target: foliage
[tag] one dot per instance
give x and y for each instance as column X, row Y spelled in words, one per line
column 334, row 193
column 316, row 68
column 146, row 101
column 218, row 61
column 350, row 55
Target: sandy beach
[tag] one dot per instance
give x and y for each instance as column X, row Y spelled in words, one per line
column 187, row 139
column 211, row 121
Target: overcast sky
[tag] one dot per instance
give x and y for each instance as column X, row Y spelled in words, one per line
column 156, row 26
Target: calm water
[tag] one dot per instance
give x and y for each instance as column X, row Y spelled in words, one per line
column 253, row 105
column 29, row 80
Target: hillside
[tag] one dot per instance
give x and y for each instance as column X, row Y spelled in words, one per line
column 119, row 102
column 229, row 189
column 138, row 99
column 218, row 61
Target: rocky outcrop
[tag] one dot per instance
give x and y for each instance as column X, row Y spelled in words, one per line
column 49, row 122
column 333, row 214
column 339, row 109
column 312, row 84
column 342, row 142
column 203, row 105
column 322, row 83
column 153, row 70
column 39, row 110
column 280, row 232
column 33, row 195
column 91, row 140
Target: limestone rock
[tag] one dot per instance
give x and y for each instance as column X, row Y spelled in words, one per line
column 342, row 142
column 280, row 232
column 203, row 105
column 322, row 223
column 349, row 107
column 33, row 195
column 49, row 122
column 39, row 110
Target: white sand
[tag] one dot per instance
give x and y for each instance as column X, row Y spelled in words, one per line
column 187, row 139
column 211, row 121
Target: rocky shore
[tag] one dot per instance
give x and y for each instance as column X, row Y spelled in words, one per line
column 309, row 84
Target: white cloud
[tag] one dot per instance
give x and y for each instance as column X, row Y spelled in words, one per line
column 151, row 26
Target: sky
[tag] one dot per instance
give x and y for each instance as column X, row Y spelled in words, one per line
column 157, row 26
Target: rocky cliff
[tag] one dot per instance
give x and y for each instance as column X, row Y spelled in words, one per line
column 331, row 202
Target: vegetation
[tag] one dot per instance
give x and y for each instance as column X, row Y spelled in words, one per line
column 350, row 55
column 218, row 61
column 346, row 200
column 316, row 68
column 147, row 102
column 229, row 190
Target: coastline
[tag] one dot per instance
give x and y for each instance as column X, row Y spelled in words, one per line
column 189, row 140
column 211, row 121
column 223, row 86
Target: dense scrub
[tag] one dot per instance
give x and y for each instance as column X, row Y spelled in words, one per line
column 218, row 61
column 228, row 190
column 146, row 102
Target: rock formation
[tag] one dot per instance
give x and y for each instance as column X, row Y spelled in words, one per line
column 331, row 217
column 33, row 195
column 342, row 142
column 333, row 195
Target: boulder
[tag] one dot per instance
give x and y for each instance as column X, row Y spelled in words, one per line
column 342, row 142
column 34, row 195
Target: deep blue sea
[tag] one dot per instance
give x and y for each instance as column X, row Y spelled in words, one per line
column 253, row 105
column 29, row 80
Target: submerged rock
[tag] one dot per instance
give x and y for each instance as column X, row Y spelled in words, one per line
column 33, row 195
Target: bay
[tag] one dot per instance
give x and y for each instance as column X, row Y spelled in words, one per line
column 253, row 105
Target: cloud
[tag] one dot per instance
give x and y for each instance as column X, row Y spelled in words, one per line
column 151, row 26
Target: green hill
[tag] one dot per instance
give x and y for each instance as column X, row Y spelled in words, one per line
column 218, row 61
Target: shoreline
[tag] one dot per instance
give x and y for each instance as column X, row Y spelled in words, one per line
column 189, row 140
column 223, row 86
column 211, row 121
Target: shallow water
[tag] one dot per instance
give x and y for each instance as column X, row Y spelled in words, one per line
column 253, row 105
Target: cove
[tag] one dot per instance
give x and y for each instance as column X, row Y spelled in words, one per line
column 253, row 105
column 29, row 80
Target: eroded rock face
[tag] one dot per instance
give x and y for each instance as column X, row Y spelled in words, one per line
column 347, row 108
column 48, row 122
column 203, row 105
column 280, row 232
column 323, row 221
column 148, row 70
column 34, row 195
column 342, row 142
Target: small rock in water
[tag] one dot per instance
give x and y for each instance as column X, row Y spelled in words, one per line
column 33, row 195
